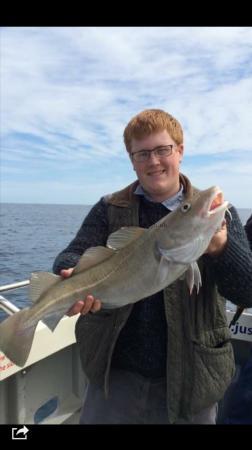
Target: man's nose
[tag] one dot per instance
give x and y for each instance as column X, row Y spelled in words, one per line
column 153, row 158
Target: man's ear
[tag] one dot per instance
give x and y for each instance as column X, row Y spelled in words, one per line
column 131, row 159
column 180, row 149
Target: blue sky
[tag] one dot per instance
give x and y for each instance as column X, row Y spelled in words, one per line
column 68, row 93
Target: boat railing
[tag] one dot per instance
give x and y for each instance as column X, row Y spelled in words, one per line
column 12, row 286
column 5, row 304
column 49, row 388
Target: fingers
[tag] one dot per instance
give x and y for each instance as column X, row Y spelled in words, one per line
column 65, row 273
column 90, row 304
column 96, row 305
column 223, row 226
column 218, row 241
column 76, row 308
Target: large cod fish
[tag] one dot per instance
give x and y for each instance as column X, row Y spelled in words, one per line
column 135, row 264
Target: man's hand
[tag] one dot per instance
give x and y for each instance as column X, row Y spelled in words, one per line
column 81, row 306
column 218, row 241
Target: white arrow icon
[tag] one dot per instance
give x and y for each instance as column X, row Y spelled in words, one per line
column 22, row 432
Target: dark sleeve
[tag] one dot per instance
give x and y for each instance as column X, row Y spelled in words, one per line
column 248, row 229
column 232, row 269
column 93, row 232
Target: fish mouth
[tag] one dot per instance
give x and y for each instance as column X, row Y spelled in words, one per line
column 216, row 203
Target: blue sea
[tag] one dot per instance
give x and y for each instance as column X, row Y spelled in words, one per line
column 31, row 236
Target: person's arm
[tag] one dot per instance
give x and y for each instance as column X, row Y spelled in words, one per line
column 232, row 266
column 93, row 232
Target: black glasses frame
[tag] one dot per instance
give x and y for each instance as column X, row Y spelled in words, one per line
column 145, row 154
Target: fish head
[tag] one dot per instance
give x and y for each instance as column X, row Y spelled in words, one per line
column 192, row 225
column 206, row 211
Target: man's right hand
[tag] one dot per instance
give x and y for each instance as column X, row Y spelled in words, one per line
column 89, row 304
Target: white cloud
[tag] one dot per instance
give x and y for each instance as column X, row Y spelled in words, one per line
column 72, row 91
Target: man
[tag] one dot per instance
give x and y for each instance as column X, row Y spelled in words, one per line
column 238, row 408
column 167, row 358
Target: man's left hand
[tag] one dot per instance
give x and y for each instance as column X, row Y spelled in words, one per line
column 218, row 241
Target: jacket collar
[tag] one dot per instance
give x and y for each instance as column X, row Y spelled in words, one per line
column 125, row 198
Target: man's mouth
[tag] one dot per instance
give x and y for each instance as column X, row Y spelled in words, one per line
column 156, row 172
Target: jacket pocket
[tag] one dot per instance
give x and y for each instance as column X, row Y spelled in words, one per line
column 214, row 368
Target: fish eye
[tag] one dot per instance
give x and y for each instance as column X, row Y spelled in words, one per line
column 185, row 207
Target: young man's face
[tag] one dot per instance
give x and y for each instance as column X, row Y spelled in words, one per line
column 158, row 176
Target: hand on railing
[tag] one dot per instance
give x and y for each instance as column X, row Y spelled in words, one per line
column 89, row 304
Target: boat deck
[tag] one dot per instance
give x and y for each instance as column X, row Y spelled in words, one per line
column 50, row 388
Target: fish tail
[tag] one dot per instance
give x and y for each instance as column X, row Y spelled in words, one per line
column 16, row 337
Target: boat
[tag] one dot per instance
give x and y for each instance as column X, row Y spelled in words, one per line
column 50, row 388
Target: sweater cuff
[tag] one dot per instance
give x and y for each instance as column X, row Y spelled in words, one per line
column 65, row 261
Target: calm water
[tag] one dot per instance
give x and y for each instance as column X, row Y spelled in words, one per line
column 31, row 236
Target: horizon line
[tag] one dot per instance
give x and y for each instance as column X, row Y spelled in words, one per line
column 52, row 204
column 69, row 204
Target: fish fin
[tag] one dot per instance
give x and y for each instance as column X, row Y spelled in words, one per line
column 193, row 277
column 123, row 237
column 40, row 283
column 185, row 254
column 163, row 270
column 92, row 257
column 53, row 320
column 16, row 337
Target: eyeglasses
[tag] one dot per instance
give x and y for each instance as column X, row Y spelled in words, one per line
column 160, row 152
